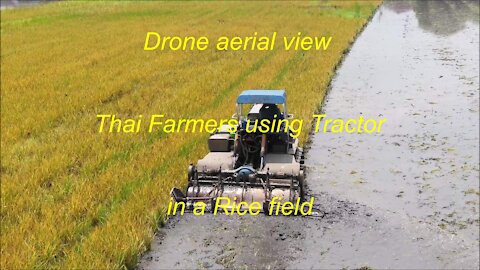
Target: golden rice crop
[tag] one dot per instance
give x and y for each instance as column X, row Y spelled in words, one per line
column 75, row 198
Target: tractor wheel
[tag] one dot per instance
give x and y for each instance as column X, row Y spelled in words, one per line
column 301, row 185
column 191, row 171
column 300, row 157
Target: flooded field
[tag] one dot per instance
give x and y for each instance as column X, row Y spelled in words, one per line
column 405, row 198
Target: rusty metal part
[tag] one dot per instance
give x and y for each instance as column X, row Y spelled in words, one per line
column 237, row 187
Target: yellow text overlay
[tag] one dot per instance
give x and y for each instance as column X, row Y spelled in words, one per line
column 110, row 123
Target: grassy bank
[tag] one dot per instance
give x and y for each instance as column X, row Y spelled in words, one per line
column 74, row 198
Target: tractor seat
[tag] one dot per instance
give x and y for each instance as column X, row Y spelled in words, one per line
column 281, row 164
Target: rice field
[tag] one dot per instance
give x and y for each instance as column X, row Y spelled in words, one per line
column 75, row 198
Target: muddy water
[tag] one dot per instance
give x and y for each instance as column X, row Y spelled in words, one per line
column 9, row 4
column 405, row 198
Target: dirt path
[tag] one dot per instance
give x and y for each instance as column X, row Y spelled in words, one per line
column 407, row 198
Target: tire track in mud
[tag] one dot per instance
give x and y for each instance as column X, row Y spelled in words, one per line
column 246, row 242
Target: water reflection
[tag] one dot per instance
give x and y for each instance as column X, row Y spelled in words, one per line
column 439, row 17
column 4, row 4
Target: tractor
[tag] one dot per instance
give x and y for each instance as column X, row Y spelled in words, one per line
column 249, row 165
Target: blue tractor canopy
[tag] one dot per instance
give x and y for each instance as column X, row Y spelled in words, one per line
column 257, row 98
column 262, row 97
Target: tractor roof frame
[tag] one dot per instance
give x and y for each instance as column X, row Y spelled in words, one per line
column 262, row 97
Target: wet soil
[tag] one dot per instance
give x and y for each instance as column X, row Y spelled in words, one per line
column 405, row 198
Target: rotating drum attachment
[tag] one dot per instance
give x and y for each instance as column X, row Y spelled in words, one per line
column 237, row 186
